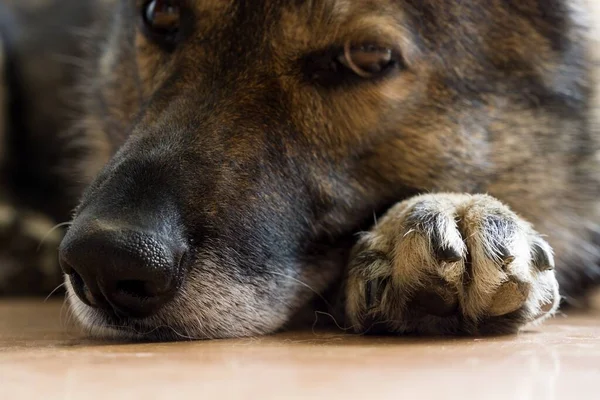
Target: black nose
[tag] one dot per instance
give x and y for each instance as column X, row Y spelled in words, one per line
column 131, row 272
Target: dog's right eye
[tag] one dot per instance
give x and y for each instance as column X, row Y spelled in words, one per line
column 162, row 19
column 350, row 64
column 366, row 61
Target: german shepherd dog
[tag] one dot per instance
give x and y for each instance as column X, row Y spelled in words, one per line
column 236, row 166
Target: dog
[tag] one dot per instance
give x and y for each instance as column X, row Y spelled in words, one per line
column 236, row 168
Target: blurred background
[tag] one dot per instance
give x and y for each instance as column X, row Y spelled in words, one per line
column 41, row 42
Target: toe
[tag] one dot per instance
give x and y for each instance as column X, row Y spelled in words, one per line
column 542, row 256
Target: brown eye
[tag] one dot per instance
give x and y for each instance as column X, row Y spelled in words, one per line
column 162, row 17
column 349, row 64
column 367, row 61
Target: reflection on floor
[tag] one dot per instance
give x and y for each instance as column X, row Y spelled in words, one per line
column 42, row 359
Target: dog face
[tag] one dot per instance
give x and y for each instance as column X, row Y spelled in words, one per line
column 248, row 143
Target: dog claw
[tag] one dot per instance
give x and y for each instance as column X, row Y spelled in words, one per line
column 504, row 256
column 547, row 307
column 448, row 255
column 443, row 252
column 371, row 292
column 506, row 261
column 541, row 259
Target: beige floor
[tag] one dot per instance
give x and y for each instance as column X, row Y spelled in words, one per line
column 41, row 359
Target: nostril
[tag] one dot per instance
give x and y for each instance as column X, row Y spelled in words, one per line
column 129, row 272
column 65, row 266
column 82, row 290
column 138, row 298
column 136, row 288
column 76, row 280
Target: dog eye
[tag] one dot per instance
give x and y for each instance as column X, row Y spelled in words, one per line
column 350, row 64
column 366, row 61
column 162, row 18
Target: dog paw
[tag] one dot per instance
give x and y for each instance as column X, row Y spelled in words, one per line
column 450, row 264
column 28, row 252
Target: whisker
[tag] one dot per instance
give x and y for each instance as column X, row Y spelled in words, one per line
column 54, row 291
column 66, row 314
column 70, row 312
column 332, row 318
column 201, row 328
column 138, row 332
column 303, row 284
column 63, row 311
column 179, row 334
column 55, row 227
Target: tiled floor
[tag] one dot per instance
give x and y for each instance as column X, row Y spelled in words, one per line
column 42, row 359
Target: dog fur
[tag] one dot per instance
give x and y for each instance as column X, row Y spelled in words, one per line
column 435, row 199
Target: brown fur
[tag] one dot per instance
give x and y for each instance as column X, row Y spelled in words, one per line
column 276, row 171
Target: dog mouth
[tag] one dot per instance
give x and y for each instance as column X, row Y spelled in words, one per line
column 130, row 298
column 107, row 323
column 216, row 301
column 105, row 319
column 104, row 325
column 221, row 295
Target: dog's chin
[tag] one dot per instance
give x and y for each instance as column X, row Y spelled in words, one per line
column 203, row 309
column 101, row 324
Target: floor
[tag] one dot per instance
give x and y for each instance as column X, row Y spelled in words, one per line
column 42, row 358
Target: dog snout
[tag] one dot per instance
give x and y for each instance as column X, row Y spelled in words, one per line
column 128, row 271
